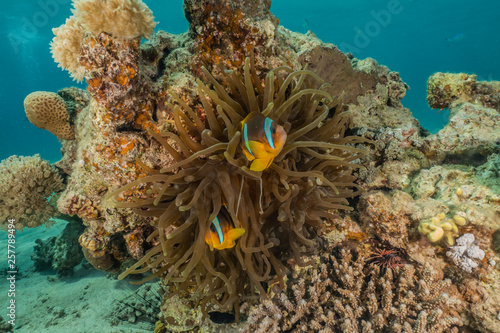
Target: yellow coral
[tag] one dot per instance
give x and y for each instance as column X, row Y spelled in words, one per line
column 436, row 228
column 47, row 110
column 120, row 18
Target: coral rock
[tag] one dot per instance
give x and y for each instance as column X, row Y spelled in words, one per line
column 446, row 89
column 388, row 215
column 61, row 253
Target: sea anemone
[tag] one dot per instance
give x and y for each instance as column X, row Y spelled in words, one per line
column 282, row 208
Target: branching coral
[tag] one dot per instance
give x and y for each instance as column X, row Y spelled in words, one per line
column 27, row 185
column 281, row 208
column 344, row 294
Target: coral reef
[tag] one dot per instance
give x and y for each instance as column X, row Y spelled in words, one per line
column 470, row 135
column 163, row 118
column 61, row 253
column 27, row 189
column 388, row 215
column 47, row 110
column 345, row 294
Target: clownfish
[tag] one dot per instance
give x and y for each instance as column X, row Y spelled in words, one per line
column 262, row 140
column 222, row 233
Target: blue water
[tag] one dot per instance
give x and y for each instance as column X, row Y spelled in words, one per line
column 414, row 37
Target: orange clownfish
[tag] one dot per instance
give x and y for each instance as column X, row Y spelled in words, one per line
column 222, row 234
column 262, row 140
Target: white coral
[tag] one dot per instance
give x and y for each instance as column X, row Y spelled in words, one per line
column 464, row 252
column 465, row 239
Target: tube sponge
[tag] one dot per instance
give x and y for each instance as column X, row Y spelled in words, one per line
column 120, row 18
column 27, row 185
column 47, row 110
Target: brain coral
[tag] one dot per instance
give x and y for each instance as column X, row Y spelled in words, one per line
column 120, row 18
column 47, row 110
column 27, row 185
column 66, row 47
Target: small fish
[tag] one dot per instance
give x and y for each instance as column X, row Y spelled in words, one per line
column 457, row 38
column 222, row 232
column 306, row 25
column 262, row 140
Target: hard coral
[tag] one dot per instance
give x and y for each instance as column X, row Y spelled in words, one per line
column 281, row 208
column 343, row 294
column 47, row 110
column 61, row 253
column 465, row 253
column 27, row 187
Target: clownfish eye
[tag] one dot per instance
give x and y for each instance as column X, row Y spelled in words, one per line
column 274, row 130
column 212, row 227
